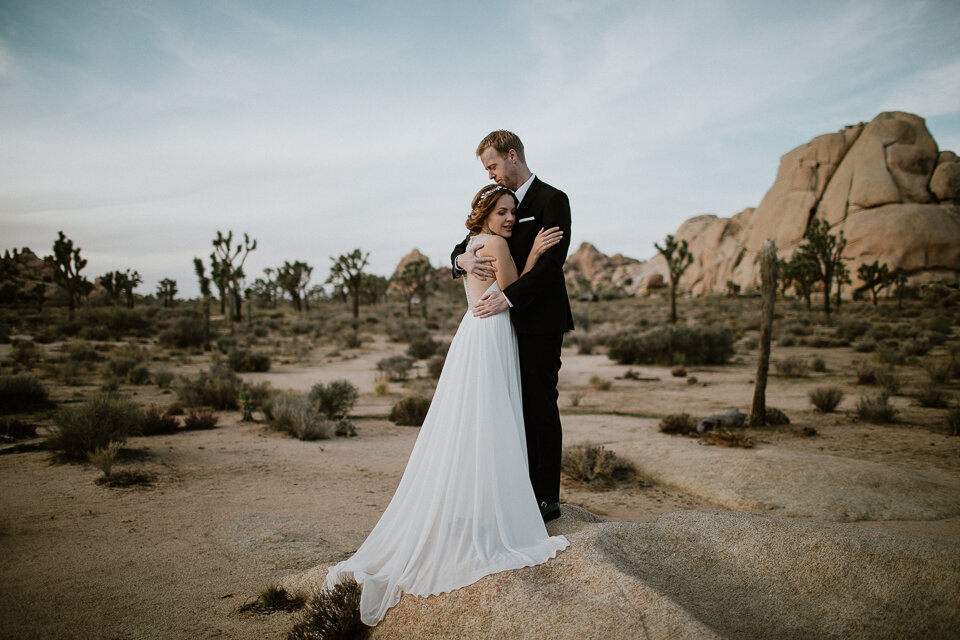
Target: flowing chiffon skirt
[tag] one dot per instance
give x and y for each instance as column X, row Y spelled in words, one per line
column 464, row 507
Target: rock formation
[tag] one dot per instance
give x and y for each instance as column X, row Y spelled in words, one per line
column 885, row 184
column 700, row 574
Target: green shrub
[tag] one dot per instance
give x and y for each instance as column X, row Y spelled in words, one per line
column 139, row 375
column 678, row 423
column 673, row 345
column 22, row 392
column 113, row 322
column 678, row 372
column 876, row 409
column 826, row 399
column 792, row 367
column 294, row 415
column 595, row 467
column 334, row 400
column 247, row 360
column 410, row 411
column 198, row 419
column 186, row 332
column 259, row 393
column 396, row 368
column 890, row 354
column 423, row 348
column 850, row 330
column 81, row 351
column 345, row 428
column 916, row 346
column 407, row 332
column 95, row 424
column 156, row 422
column 218, row 388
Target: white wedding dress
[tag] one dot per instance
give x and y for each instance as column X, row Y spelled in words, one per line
column 464, row 507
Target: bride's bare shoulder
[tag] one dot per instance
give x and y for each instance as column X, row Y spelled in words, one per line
column 495, row 246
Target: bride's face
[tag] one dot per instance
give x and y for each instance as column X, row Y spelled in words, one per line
column 501, row 219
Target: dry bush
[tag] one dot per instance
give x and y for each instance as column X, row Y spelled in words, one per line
column 22, row 392
column 103, row 457
column 776, row 417
column 396, row 368
column 156, row 422
column 726, row 438
column 435, row 365
column 679, row 423
column 673, row 345
column 240, row 359
column 792, row 367
column 876, row 409
column 332, row 614
column 335, row 399
column 294, row 414
column 163, row 378
column 889, row 380
column 12, row 429
column 678, row 372
column 382, row 386
column 866, row 372
column 826, row 399
column 818, row 364
column 597, row 468
column 600, row 384
column 199, row 419
column 271, row 599
column 423, row 348
column 218, row 388
column 96, row 423
column 931, row 396
column 576, row 397
column 953, row 419
column 410, row 411
column 939, row 371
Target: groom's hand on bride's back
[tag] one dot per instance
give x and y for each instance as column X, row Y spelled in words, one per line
column 480, row 267
column 490, row 304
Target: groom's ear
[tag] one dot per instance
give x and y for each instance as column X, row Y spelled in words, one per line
column 512, row 156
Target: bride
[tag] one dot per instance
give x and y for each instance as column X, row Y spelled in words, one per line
column 464, row 508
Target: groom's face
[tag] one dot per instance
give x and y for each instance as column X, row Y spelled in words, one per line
column 501, row 169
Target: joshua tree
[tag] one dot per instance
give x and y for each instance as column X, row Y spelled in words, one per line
column 876, row 277
column 678, row 258
column 294, row 278
column 205, row 291
column 346, row 274
column 768, row 291
column 416, row 278
column 228, row 268
column 118, row 283
column 67, row 265
column 802, row 273
column 841, row 277
column 373, row 288
column 824, row 252
column 899, row 280
column 167, row 291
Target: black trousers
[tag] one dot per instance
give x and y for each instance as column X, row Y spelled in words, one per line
column 539, row 373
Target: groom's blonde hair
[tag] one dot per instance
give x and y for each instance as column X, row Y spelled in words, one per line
column 502, row 141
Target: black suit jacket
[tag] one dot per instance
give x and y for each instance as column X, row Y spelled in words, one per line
column 539, row 298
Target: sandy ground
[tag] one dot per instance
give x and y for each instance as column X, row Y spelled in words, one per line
column 240, row 506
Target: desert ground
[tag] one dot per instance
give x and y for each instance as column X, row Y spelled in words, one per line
column 230, row 510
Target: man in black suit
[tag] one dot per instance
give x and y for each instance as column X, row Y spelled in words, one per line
column 538, row 303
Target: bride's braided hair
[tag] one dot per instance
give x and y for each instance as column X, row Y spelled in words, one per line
column 483, row 203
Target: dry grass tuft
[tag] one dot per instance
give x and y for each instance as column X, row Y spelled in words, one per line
column 600, row 384
column 826, row 399
column 595, row 467
column 726, row 438
column 272, row 599
column 332, row 614
column 681, row 423
column 876, row 409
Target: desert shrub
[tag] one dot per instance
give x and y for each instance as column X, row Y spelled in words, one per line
column 334, row 400
column 22, row 392
column 788, row 340
column 332, row 613
column 140, row 374
column 678, row 372
column 931, row 396
column 294, row 414
column 916, row 346
column 345, row 428
column 866, row 372
column 81, row 351
column 351, row 340
column 410, row 411
column 600, row 384
column 673, row 345
column 259, row 393
column 247, row 360
column 381, row 387
column 435, row 366
column 156, row 422
column 186, row 332
column 792, row 367
column 163, row 378
column 889, row 380
column 407, row 332
column 96, row 423
column 25, row 352
column 850, row 329
column 751, row 343
column 592, row 465
column 876, row 408
column 890, row 354
column 272, row 599
column 679, row 423
column 4, row 333
column 819, row 341
column 826, row 399
column 94, row 332
column 218, row 388
column 953, row 419
column 198, row 419
column 865, row 345
column 226, row 343
column 939, row 371
column 422, row 349
column 587, row 342
column 12, row 429
column 776, row 417
column 103, row 457
column 396, row 368
column 818, row 364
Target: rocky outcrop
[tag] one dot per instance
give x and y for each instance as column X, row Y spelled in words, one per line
column 885, row 184
column 700, row 574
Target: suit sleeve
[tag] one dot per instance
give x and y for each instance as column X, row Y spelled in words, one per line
column 457, row 250
column 525, row 291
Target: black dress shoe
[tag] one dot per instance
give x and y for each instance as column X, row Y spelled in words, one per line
column 549, row 511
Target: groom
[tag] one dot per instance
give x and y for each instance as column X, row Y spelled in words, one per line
column 538, row 305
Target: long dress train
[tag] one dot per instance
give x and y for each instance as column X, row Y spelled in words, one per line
column 464, row 507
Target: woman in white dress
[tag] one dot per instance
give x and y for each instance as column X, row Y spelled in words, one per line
column 464, row 508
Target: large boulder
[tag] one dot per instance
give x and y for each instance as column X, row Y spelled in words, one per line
column 700, row 574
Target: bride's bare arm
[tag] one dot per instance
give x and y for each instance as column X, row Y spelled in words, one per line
column 545, row 239
column 496, row 247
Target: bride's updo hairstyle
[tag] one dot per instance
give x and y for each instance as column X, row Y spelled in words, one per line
column 483, row 203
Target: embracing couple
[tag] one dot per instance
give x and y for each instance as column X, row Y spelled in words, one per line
column 484, row 474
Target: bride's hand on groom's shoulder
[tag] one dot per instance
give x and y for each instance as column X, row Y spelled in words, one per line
column 545, row 239
column 480, row 267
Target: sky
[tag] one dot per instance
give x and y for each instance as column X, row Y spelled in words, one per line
column 141, row 128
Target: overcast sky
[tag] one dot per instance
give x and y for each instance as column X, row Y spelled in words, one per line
column 142, row 128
